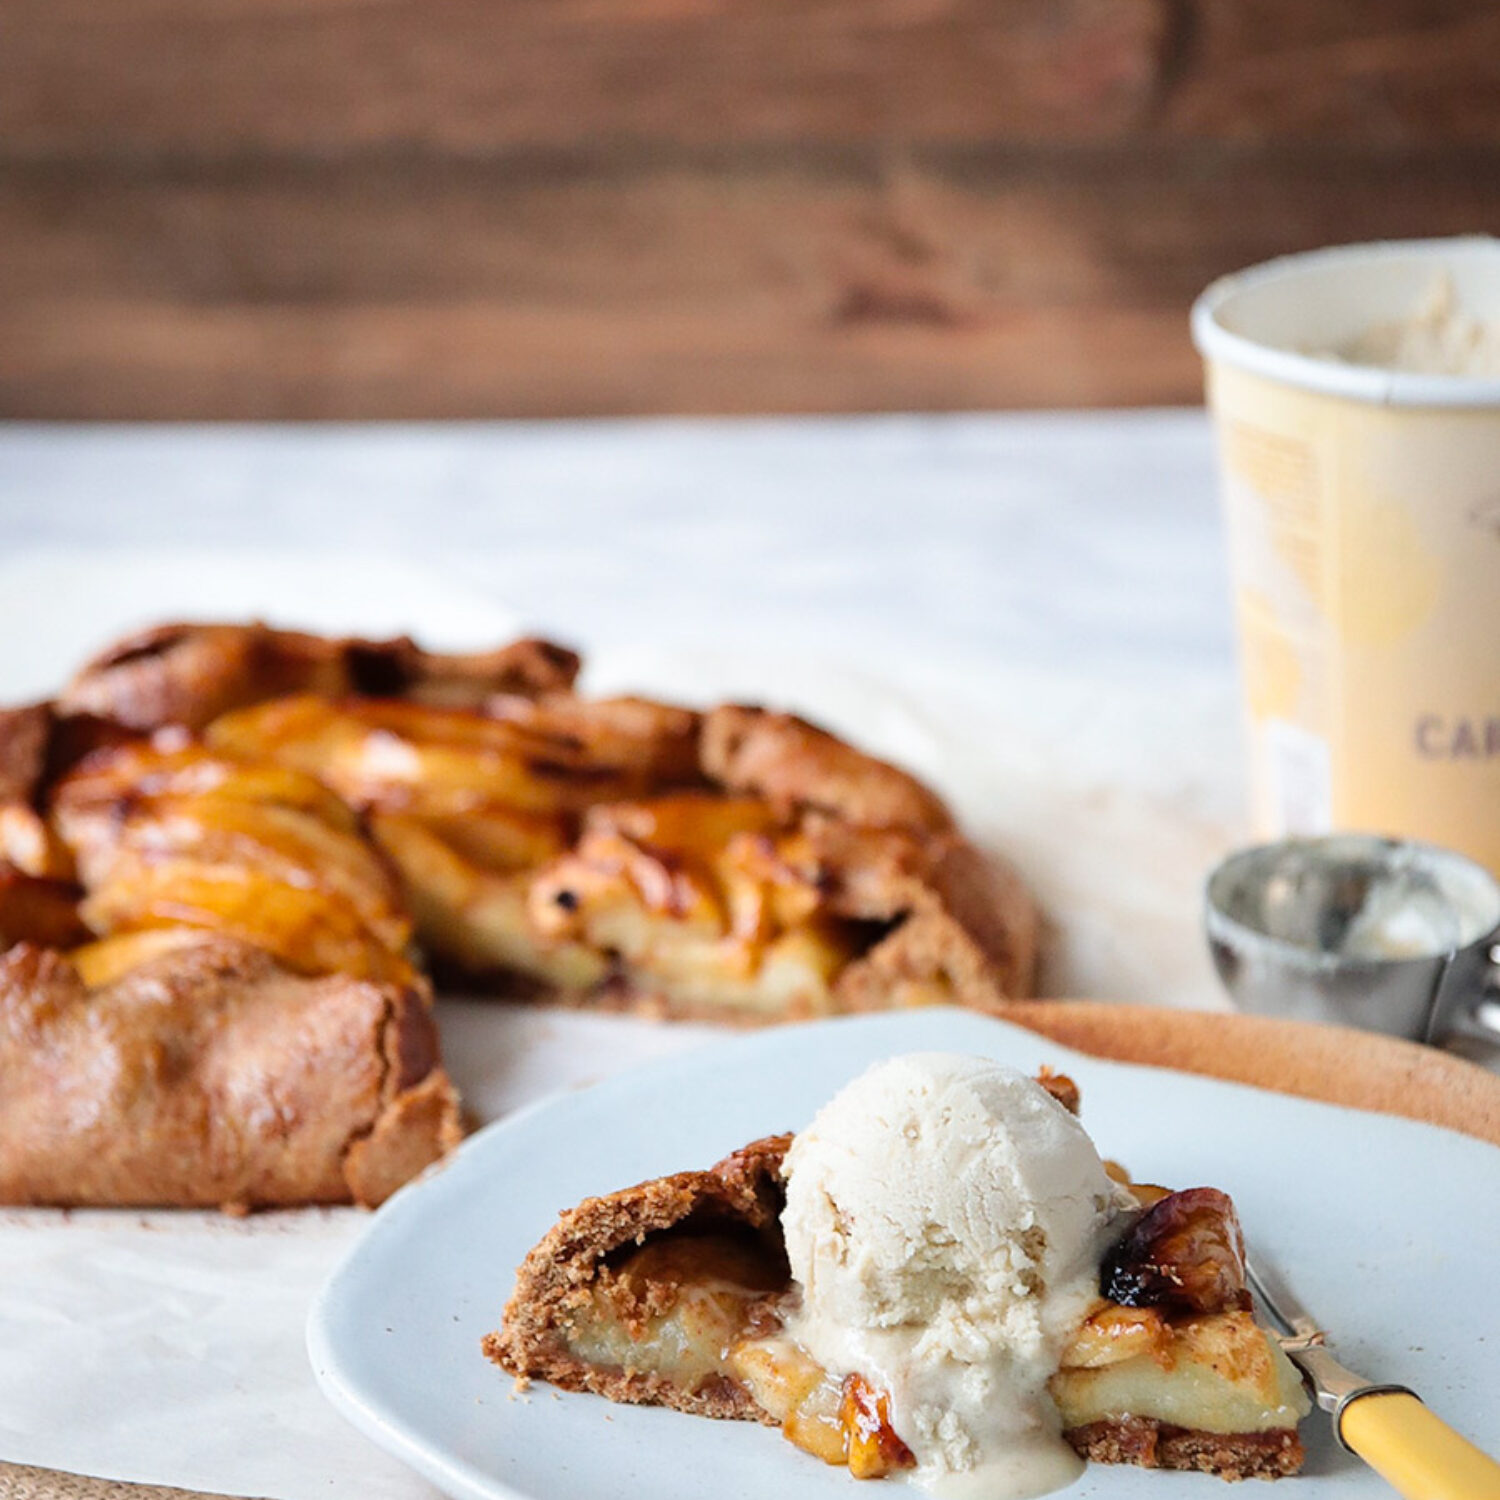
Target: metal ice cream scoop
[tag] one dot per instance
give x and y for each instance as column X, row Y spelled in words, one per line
column 1386, row 934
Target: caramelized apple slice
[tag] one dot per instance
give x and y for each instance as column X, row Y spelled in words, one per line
column 844, row 1422
column 130, row 812
column 1065, row 1091
column 1216, row 1373
column 283, row 844
column 311, row 931
column 407, row 757
column 477, row 918
column 689, row 824
column 493, row 836
column 615, row 893
column 874, row 1448
column 675, row 924
column 687, row 869
column 675, row 1306
column 763, row 874
column 88, row 802
column 169, row 835
column 102, row 962
column 769, row 881
column 1185, row 1254
column 1112, row 1334
column 793, row 1389
column 1145, row 1193
column 815, row 1422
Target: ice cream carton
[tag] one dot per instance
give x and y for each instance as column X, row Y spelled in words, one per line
column 1363, row 509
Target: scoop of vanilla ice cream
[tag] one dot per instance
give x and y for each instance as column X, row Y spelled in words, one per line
column 945, row 1219
column 939, row 1184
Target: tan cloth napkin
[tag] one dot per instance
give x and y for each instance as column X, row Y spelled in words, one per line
column 18, row 1482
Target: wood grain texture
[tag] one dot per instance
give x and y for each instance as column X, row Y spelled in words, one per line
column 1400, row 73
column 384, row 208
column 205, row 77
column 422, row 287
column 1357, row 1069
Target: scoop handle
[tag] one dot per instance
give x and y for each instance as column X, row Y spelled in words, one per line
column 1416, row 1453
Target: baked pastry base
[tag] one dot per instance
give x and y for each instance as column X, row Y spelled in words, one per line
column 1157, row 1445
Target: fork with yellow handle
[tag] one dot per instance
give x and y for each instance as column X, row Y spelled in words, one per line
column 1415, row 1452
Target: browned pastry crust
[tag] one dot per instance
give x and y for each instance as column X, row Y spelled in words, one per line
column 1156, row 1445
column 959, row 919
column 27, row 739
column 189, row 674
column 213, row 1077
column 742, row 1191
column 636, row 738
column 796, row 765
column 24, row 736
column 964, row 917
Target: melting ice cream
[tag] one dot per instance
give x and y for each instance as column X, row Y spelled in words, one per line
column 945, row 1219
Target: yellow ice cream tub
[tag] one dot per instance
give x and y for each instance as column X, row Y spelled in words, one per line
column 1363, row 509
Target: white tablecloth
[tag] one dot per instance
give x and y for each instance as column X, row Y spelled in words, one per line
column 1031, row 611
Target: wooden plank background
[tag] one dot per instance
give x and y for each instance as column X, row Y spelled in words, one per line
column 425, row 208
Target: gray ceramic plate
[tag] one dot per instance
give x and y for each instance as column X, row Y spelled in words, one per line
column 1389, row 1229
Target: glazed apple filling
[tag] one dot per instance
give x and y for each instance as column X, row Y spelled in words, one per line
column 697, row 1309
column 1214, row 1373
column 676, row 1307
column 174, row 842
column 701, row 894
column 842, row 1421
column 576, row 849
column 533, row 845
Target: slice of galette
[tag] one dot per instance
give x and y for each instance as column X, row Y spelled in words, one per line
column 984, row 1321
